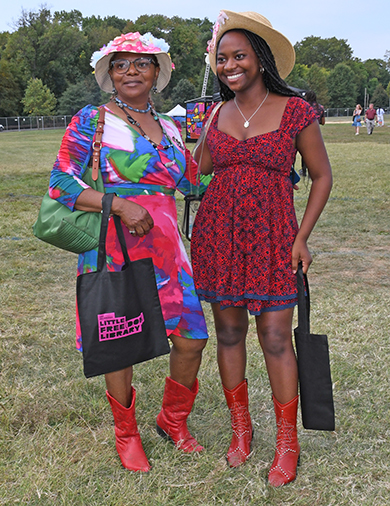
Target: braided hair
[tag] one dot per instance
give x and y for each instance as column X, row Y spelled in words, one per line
column 271, row 77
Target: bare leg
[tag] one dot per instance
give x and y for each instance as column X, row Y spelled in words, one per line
column 185, row 359
column 119, row 385
column 274, row 332
column 231, row 325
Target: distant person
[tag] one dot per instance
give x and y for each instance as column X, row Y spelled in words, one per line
column 357, row 116
column 311, row 97
column 369, row 118
column 379, row 116
column 319, row 110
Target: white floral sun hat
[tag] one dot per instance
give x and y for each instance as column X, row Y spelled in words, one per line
column 132, row 43
column 281, row 47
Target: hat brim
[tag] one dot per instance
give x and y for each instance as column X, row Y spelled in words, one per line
column 282, row 49
column 103, row 78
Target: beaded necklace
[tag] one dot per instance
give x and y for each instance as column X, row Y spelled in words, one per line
column 123, row 104
column 132, row 121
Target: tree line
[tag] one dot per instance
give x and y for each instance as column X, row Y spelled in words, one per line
column 45, row 69
column 327, row 67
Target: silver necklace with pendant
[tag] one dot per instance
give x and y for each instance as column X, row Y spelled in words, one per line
column 246, row 124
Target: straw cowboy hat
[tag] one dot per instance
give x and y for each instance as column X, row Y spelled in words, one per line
column 132, row 43
column 281, row 47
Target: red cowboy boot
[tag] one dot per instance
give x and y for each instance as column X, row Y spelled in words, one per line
column 284, row 466
column 237, row 401
column 128, row 440
column 172, row 419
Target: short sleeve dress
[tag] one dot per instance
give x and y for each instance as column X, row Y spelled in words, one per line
column 133, row 169
column 357, row 118
column 246, row 225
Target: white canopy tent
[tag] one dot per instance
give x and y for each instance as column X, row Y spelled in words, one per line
column 178, row 110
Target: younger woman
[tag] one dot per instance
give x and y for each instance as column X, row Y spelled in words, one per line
column 246, row 243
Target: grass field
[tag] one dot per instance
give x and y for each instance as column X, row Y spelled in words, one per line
column 56, row 430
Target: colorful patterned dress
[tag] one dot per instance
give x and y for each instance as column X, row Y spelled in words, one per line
column 246, row 225
column 133, row 169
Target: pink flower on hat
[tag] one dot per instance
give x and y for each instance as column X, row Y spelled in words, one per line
column 125, row 37
column 220, row 21
column 131, row 42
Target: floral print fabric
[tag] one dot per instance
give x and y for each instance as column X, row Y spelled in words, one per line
column 246, row 225
column 133, row 169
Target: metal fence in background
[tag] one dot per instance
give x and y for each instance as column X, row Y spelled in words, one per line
column 34, row 122
column 49, row 122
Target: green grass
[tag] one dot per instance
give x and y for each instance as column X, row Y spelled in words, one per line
column 56, row 431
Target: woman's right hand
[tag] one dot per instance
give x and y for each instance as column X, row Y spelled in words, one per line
column 136, row 218
column 300, row 253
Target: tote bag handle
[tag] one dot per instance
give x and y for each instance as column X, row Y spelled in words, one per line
column 303, row 300
column 106, row 205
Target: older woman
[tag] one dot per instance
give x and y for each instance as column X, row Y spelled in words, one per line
column 246, row 243
column 143, row 162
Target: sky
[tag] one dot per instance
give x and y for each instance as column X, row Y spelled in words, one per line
column 364, row 24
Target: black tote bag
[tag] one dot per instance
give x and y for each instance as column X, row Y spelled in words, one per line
column 120, row 312
column 315, row 383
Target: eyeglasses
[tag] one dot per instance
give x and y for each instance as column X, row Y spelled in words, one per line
column 140, row 64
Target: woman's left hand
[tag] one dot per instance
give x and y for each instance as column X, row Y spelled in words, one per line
column 311, row 146
column 300, row 253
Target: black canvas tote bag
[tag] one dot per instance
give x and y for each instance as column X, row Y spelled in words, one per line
column 315, row 381
column 120, row 312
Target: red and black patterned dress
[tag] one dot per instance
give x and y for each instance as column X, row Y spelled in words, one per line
column 246, row 225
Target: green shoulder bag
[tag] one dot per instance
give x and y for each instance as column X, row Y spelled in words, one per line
column 76, row 231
